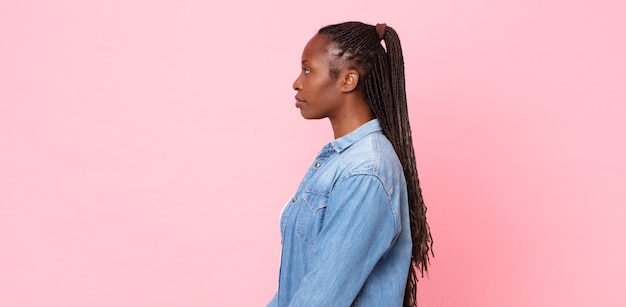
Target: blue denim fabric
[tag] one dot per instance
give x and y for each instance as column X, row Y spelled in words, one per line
column 345, row 233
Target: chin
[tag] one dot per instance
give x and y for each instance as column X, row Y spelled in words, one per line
column 310, row 116
column 306, row 115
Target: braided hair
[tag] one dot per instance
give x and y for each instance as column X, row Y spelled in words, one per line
column 384, row 91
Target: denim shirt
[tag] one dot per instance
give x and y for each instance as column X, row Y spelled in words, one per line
column 345, row 232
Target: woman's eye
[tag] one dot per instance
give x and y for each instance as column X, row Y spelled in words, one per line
column 306, row 71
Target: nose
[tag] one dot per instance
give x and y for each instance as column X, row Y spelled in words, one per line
column 297, row 85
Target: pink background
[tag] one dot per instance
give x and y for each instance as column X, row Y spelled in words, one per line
column 147, row 147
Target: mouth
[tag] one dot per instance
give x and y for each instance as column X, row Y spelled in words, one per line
column 299, row 101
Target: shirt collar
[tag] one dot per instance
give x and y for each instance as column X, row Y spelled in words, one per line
column 345, row 141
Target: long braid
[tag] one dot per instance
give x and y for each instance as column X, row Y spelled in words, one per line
column 384, row 89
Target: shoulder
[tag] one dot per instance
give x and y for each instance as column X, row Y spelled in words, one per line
column 372, row 155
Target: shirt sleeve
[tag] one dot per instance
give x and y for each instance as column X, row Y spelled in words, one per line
column 358, row 229
column 274, row 301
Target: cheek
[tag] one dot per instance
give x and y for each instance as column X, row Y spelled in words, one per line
column 320, row 86
column 327, row 94
column 327, row 90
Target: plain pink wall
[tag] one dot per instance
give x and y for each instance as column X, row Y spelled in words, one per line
column 147, row 147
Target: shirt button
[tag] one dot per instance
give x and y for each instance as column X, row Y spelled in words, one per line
column 317, row 164
column 293, row 200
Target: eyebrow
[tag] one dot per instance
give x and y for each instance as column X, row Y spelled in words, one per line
column 305, row 61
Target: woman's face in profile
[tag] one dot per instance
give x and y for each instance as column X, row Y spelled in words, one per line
column 318, row 92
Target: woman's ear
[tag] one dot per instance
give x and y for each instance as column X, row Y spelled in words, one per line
column 350, row 81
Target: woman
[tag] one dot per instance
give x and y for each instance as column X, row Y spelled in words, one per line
column 355, row 231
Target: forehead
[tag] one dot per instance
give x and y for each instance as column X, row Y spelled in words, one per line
column 319, row 48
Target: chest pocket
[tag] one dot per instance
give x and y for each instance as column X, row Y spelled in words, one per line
column 311, row 216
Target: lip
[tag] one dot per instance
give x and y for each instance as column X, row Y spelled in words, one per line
column 299, row 101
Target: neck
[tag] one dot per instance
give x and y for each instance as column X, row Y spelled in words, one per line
column 357, row 113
